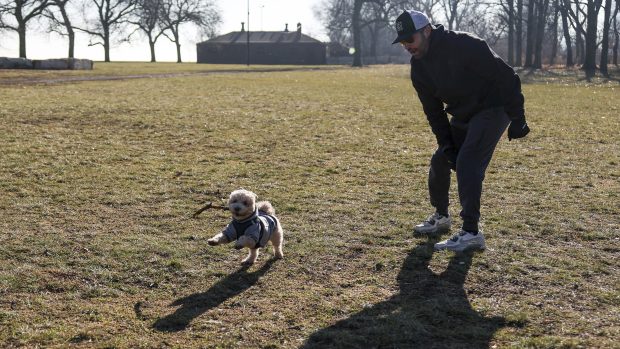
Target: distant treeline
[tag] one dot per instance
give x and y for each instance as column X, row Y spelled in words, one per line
column 526, row 33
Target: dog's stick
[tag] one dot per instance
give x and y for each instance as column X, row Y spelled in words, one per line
column 208, row 206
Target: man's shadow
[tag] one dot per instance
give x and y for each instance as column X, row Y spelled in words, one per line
column 430, row 311
column 197, row 304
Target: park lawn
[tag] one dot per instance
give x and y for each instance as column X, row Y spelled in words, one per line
column 99, row 180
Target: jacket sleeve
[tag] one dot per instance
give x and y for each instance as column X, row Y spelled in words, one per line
column 481, row 59
column 230, row 232
column 434, row 110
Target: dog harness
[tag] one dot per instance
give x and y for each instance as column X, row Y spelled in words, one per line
column 258, row 226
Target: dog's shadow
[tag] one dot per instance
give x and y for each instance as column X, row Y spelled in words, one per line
column 430, row 311
column 197, row 304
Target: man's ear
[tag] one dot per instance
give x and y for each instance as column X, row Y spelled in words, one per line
column 427, row 31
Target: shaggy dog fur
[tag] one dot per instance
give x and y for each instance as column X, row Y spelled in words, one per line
column 242, row 205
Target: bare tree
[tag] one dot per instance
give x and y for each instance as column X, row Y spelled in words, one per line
column 589, row 65
column 336, row 16
column 22, row 12
column 458, row 10
column 541, row 20
column 386, row 7
column 375, row 24
column 374, row 19
column 508, row 16
column 111, row 16
column 531, row 25
column 61, row 23
column 578, row 17
column 178, row 12
column 566, row 32
column 554, row 32
column 147, row 17
column 356, row 22
column 605, row 40
column 357, row 37
column 616, row 27
column 363, row 23
column 519, row 34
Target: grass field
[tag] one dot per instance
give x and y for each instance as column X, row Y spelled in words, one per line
column 99, row 180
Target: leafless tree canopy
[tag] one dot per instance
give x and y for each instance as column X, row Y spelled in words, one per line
column 15, row 15
column 526, row 32
column 109, row 22
column 175, row 13
column 59, row 22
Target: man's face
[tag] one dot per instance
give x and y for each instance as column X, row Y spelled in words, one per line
column 418, row 44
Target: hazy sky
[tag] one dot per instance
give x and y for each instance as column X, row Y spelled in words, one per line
column 268, row 15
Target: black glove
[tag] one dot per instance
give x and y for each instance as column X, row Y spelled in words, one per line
column 450, row 154
column 518, row 129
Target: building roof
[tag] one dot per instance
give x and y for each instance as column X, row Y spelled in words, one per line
column 263, row 37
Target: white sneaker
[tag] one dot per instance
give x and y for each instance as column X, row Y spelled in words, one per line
column 462, row 241
column 434, row 224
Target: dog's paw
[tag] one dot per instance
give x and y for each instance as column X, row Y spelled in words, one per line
column 247, row 263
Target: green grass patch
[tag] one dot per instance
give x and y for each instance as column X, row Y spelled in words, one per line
column 99, row 181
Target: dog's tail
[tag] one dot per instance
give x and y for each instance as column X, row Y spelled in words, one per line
column 266, row 207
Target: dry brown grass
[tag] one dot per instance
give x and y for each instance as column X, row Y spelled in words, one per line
column 99, row 180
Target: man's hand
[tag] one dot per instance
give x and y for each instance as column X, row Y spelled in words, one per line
column 518, row 129
column 450, row 154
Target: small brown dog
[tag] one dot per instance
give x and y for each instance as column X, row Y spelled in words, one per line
column 254, row 224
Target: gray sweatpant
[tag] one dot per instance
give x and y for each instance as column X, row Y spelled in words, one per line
column 475, row 143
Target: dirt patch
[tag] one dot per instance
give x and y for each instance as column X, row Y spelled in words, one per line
column 73, row 79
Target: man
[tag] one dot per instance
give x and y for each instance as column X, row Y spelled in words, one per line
column 482, row 94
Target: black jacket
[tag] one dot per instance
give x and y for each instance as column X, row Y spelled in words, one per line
column 461, row 71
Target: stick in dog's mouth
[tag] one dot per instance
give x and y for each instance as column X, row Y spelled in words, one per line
column 208, row 206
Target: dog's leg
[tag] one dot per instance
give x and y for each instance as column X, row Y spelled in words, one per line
column 217, row 239
column 277, row 240
column 251, row 258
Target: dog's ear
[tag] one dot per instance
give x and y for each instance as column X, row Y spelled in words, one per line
column 253, row 194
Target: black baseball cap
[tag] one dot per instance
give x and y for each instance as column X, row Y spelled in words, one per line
column 408, row 23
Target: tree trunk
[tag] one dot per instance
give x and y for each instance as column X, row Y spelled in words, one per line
column 605, row 41
column 177, row 42
column 106, row 44
column 578, row 41
column 21, row 31
column 577, row 25
column 69, row 28
column 519, row 28
column 452, row 15
column 589, row 65
column 511, row 32
column 540, row 32
column 71, row 44
column 554, row 28
column 616, row 34
column 152, row 46
column 531, row 25
column 579, row 49
column 357, row 40
column 616, row 45
column 567, row 38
